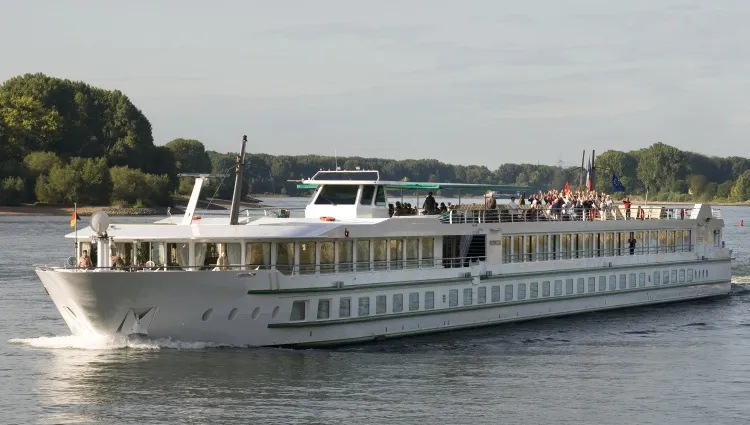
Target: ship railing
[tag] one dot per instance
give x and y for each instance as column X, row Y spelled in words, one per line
column 531, row 214
column 716, row 213
column 298, row 269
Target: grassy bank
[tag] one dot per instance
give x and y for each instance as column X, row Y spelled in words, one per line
column 82, row 211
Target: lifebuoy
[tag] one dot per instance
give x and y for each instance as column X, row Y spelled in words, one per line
column 197, row 217
column 327, row 219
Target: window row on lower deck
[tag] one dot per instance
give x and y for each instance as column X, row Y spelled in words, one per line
column 413, row 301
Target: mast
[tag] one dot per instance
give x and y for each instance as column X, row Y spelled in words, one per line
column 583, row 169
column 593, row 170
column 235, row 211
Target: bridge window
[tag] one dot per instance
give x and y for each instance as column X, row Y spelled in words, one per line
column 333, row 194
column 367, row 192
column 380, row 200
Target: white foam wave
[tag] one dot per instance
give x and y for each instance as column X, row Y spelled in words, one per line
column 101, row 342
column 741, row 280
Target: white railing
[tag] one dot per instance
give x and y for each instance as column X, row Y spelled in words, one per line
column 523, row 214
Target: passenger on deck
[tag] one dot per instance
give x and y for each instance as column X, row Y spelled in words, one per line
column 223, row 262
column 85, row 262
column 626, row 203
column 116, row 262
column 391, row 210
column 430, row 205
column 443, row 208
column 632, row 242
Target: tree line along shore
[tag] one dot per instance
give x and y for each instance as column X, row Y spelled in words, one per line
column 64, row 141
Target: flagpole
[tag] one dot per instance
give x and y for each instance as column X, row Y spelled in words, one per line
column 75, row 221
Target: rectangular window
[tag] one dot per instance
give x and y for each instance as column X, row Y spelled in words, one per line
column 367, row 193
column 428, row 252
column 521, row 291
column 534, row 290
column 380, row 200
column 517, row 249
column 568, row 286
column 687, row 241
column 363, row 255
column 332, row 194
column 397, row 254
column 663, row 241
column 631, row 280
column 482, row 294
column 657, row 278
column 307, row 257
column 545, row 288
column 670, row 241
column 509, row 292
column 398, row 303
column 380, row 304
column 506, row 249
column 298, row 310
column 689, row 275
column 364, row 306
column 324, row 309
column 495, row 294
column 453, row 298
column 285, row 257
column 346, row 255
column 641, row 279
column 612, row 282
column 413, row 301
column 380, row 254
column 592, row 284
column 581, row 285
column 602, row 283
column 682, row 275
column 468, row 296
column 258, row 255
column 429, row 300
column 558, row 287
column 673, row 276
column 327, row 257
column 665, row 277
column 653, row 245
column 345, row 307
column 412, row 253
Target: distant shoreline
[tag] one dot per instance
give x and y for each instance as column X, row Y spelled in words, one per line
column 28, row 210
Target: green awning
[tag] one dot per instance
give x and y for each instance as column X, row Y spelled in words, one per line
column 437, row 186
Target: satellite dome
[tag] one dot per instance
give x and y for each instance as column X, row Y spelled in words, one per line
column 99, row 222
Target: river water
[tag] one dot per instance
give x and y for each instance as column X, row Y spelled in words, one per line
column 686, row 363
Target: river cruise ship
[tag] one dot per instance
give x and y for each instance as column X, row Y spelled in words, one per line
column 348, row 271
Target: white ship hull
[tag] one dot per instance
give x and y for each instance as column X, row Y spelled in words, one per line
column 216, row 307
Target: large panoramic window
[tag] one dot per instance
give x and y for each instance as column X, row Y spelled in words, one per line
column 337, row 195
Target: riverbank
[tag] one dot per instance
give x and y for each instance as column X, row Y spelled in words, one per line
column 82, row 211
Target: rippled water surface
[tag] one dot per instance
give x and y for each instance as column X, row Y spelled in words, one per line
column 670, row 364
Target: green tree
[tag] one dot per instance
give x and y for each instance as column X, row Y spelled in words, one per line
column 741, row 189
column 27, row 125
column 12, row 191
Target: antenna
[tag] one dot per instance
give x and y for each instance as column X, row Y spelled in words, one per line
column 335, row 160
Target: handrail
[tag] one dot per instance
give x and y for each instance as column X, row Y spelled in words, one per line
column 522, row 214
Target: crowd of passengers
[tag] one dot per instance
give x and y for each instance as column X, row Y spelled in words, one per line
column 555, row 204
column 429, row 207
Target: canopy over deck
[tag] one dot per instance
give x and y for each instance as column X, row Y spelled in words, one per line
column 312, row 184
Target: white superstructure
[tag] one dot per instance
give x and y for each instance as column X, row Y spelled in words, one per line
column 347, row 271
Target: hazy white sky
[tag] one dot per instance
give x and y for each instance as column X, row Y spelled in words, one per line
column 470, row 82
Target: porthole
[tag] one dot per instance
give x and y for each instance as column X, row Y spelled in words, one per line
column 207, row 314
column 255, row 313
column 275, row 312
column 233, row 314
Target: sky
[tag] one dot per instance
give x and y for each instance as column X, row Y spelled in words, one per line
column 466, row 82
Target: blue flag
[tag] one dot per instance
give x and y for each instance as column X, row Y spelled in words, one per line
column 617, row 185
